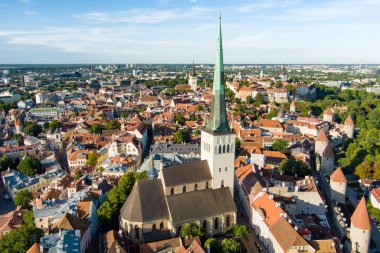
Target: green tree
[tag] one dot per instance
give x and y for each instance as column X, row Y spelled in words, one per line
column 28, row 218
column 198, row 108
column 239, row 231
column 280, row 145
column 237, row 146
column 109, row 210
column 20, row 240
column 23, row 198
column 259, row 100
column 54, row 125
column 273, row 113
column 92, row 159
column 75, row 114
column 6, row 162
column 30, row 166
column 230, row 246
column 33, row 130
column 181, row 136
column 112, row 125
column 180, row 119
column 291, row 89
column 19, row 138
column 45, row 126
column 249, row 100
column 96, row 129
column 293, row 167
column 213, row 244
column 101, row 169
column 78, row 174
column 191, row 230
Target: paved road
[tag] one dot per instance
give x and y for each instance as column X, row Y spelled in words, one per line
column 242, row 219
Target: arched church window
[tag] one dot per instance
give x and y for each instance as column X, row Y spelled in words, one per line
column 227, row 221
column 220, row 149
column 204, row 226
column 161, row 225
column 172, row 191
column 195, row 187
column 228, row 148
column 224, row 149
column 154, row 227
column 184, row 189
column 222, row 184
column 216, row 225
column 206, row 185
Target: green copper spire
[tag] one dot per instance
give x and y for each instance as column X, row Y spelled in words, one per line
column 218, row 118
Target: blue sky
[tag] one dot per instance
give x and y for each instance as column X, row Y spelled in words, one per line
column 176, row 31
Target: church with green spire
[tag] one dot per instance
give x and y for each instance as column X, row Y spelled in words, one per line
column 217, row 136
column 192, row 78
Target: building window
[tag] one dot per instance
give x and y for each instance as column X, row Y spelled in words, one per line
column 220, row 149
column 228, row 148
column 172, row 191
column 222, row 184
column 179, row 230
column 228, row 221
column 137, row 232
column 220, row 169
column 204, row 226
column 226, row 169
column 216, row 225
column 184, row 189
column 206, row 185
column 161, row 225
column 195, row 187
column 154, row 227
column 224, row 149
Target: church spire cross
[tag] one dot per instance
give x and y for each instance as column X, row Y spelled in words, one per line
column 218, row 117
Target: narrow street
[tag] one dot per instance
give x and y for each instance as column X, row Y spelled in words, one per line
column 242, row 219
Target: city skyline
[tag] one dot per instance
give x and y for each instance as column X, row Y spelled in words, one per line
column 175, row 32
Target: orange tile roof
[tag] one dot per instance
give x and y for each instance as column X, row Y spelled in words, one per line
column 268, row 208
column 322, row 137
column 338, row 176
column 349, row 121
column 275, row 154
column 360, row 218
column 376, row 194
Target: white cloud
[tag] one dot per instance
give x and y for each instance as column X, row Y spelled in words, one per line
column 144, row 15
column 30, row 13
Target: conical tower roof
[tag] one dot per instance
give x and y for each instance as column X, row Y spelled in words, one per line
column 322, row 137
column 338, row 176
column 349, row 121
column 293, row 103
column 360, row 218
column 218, row 117
column 18, row 122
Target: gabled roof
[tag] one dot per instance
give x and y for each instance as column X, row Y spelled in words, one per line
column 322, row 137
column 328, row 152
column 286, row 235
column 146, row 202
column 349, row 121
column 195, row 205
column 196, row 171
column 338, row 176
column 360, row 218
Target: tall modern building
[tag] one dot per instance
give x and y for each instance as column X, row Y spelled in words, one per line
column 195, row 192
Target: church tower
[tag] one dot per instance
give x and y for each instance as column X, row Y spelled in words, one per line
column 349, row 127
column 283, row 75
column 192, row 79
column 217, row 138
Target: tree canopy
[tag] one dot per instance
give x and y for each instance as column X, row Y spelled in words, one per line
column 23, row 198
column 30, row 166
column 108, row 211
column 280, row 145
column 293, row 167
column 230, row 246
column 96, row 129
column 33, row 129
column 20, row 240
column 92, row 159
column 181, row 136
column 239, row 231
column 112, row 125
column 6, row 162
column 191, row 230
